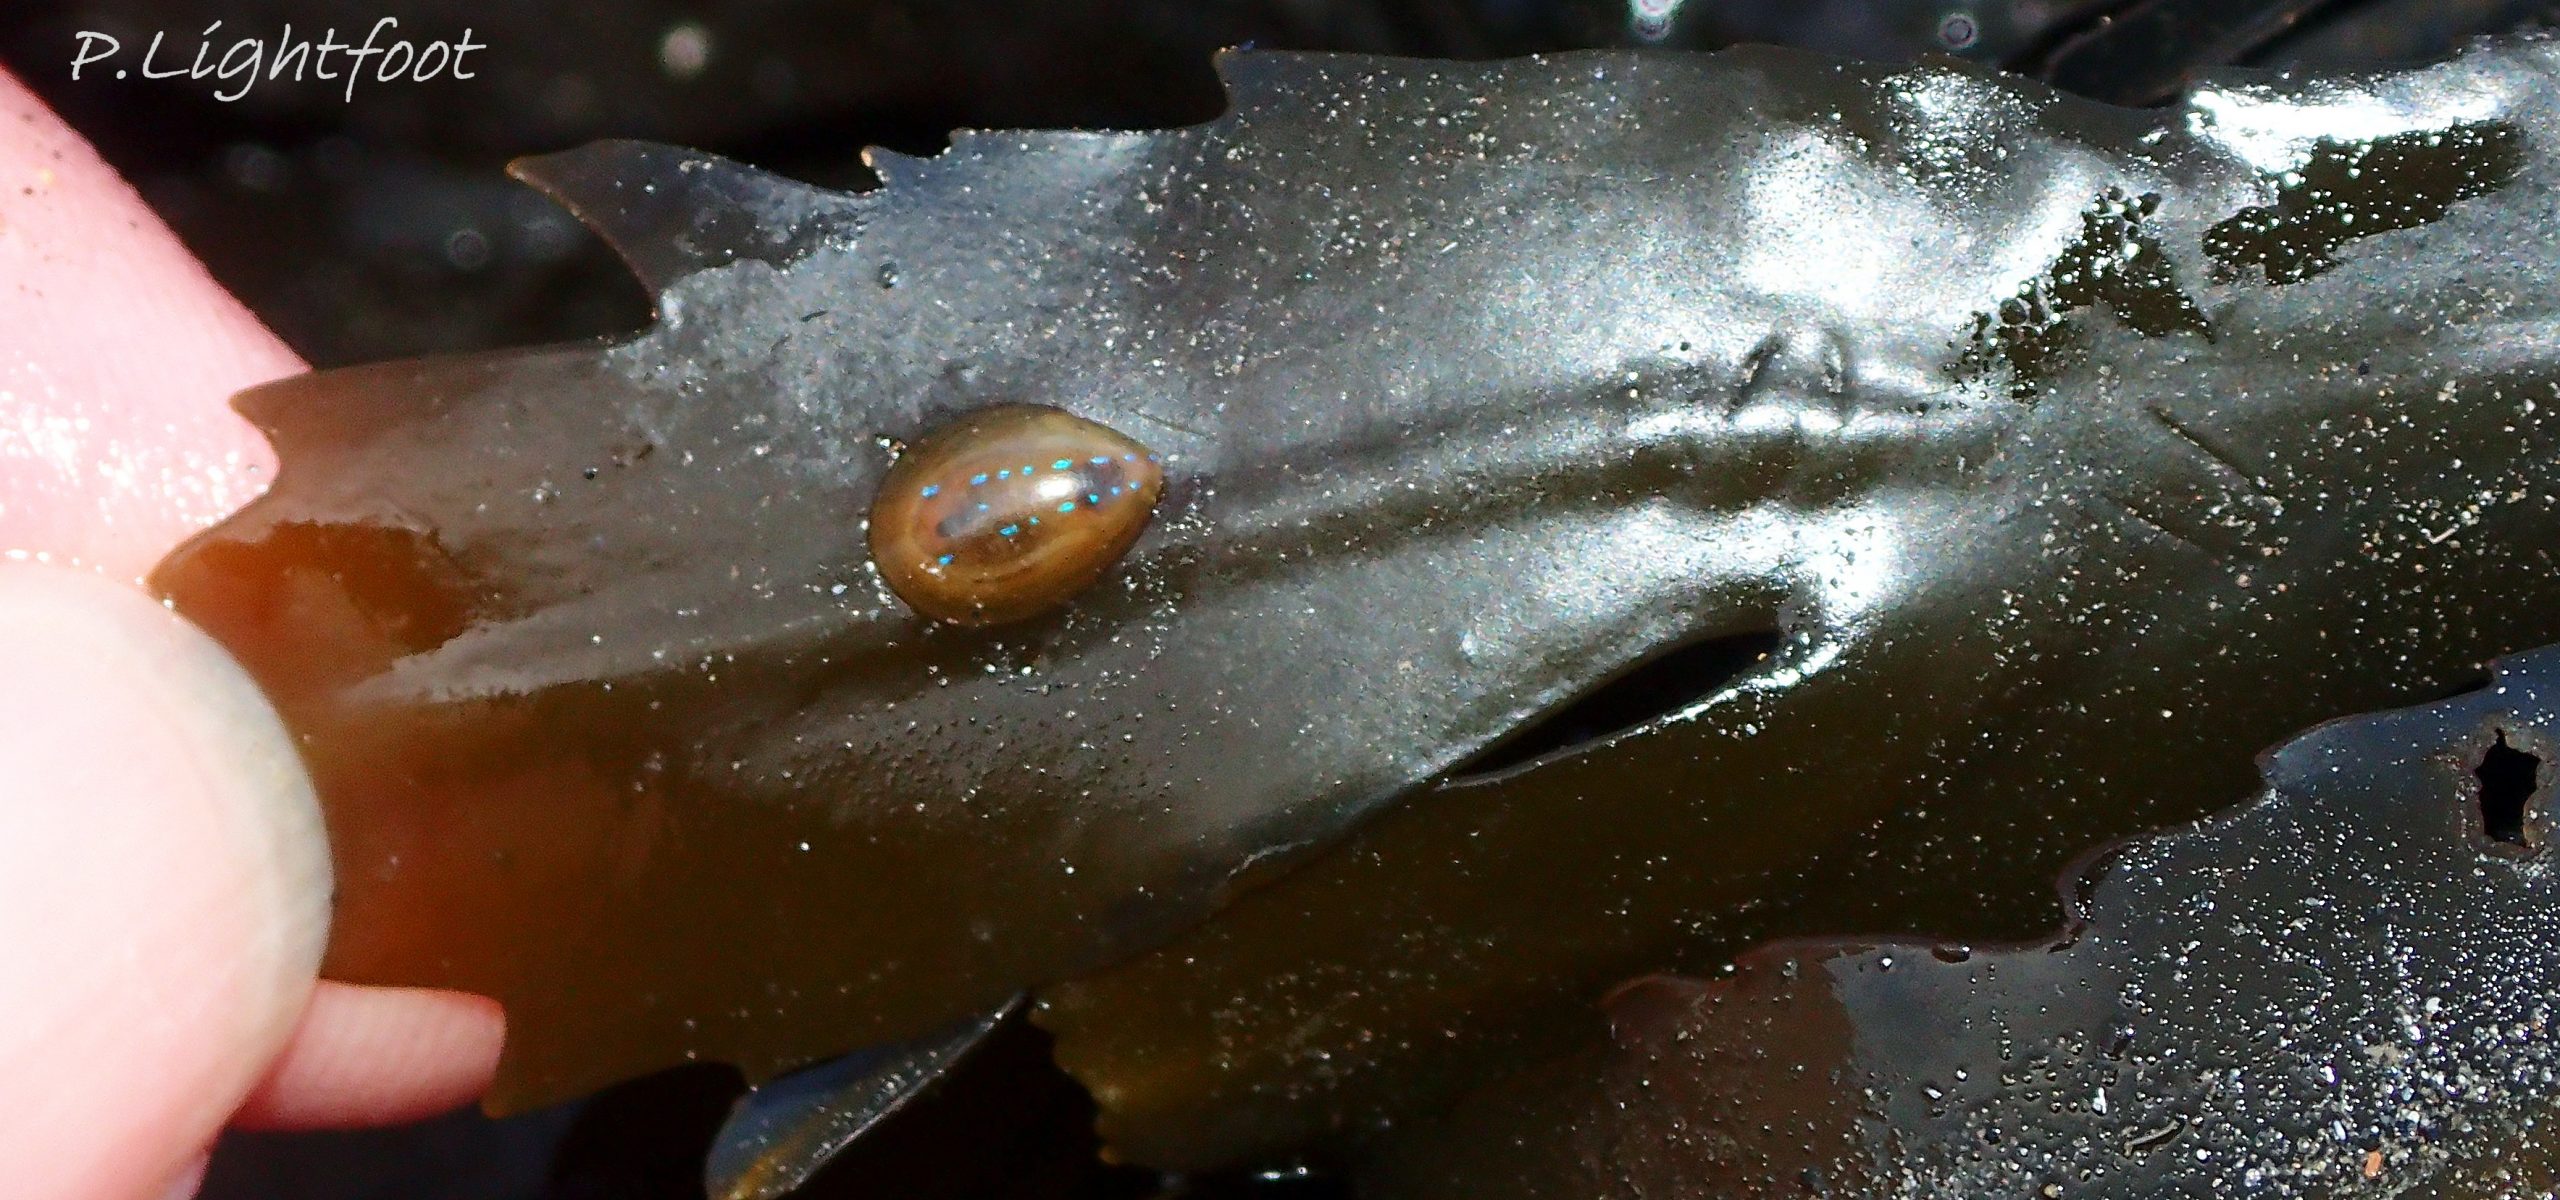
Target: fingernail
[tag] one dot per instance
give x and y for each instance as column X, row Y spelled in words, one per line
column 164, row 884
column 189, row 1181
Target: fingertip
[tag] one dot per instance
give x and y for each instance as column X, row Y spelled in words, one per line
column 114, row 439
column 164, row 879
column 376, row 1055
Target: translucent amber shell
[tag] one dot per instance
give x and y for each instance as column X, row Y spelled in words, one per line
column 1010, row 512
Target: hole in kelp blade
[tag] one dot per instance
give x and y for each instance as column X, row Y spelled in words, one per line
column 2506, row 776
column 1658, row 687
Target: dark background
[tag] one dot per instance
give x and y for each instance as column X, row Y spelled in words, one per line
column 383, row 227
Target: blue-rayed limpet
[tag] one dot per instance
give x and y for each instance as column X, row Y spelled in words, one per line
column 1009, row 512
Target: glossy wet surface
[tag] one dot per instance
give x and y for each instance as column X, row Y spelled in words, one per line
column 2064, row 306
column 1519, row 381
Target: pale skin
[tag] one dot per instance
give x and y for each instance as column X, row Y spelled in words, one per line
column 163, row 874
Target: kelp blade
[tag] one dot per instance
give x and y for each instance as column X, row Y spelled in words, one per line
column 2033, row 434
column 2262, row 432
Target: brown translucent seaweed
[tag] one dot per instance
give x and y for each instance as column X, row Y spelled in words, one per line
column 1894, row 423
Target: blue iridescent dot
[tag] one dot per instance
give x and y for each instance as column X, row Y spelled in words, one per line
column 1035, row 520
column 977, row 479
column 931, row 490
column 1010, row 530
column 1066, row 506
column 943, row 561
column 1093, row 497
column 1102, row 460
column 1154, row 459
column 1115, row 489
column 1027, row 468
column 982, row 506
column 1007, row 473
column 1128, row 458
column 1062, row 464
